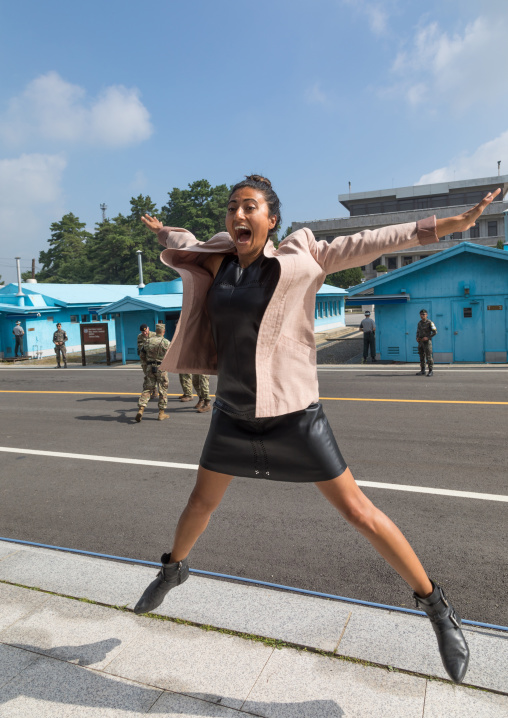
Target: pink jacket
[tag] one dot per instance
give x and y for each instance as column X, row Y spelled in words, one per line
column 286, row 373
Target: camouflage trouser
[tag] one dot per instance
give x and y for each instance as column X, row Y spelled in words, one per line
column 159, row 380
column 425, row 352
column 200, row 382
column 61, row 350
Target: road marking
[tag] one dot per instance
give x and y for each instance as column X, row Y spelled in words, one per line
column 321, row 398
column 193, row 467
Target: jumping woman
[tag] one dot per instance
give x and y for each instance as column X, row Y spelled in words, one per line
column 248, row 316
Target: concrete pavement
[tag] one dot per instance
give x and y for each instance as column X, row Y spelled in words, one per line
column 219, row 648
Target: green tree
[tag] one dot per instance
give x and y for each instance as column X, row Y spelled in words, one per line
column 65, row 262
column 201, row 209
column 346, row 278
column 112, row 252
column 500, row 244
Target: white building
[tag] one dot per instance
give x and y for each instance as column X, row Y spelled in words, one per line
column 369, row 210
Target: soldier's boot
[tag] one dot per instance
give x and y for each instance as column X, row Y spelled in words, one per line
column 163, row 415
column 422, row 371
column 185, row 397
column 58, row 366
column 65, row 365
column 199, row 404
column 170, row 575
column 140, row 413
column 206, row 407
column 446, row 624
column 431, row 373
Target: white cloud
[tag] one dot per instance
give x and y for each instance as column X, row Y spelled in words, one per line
column 31, row 180
column 481, row 163
column 458, row 68
column 315, row 96
column 376, row 14
column 30, row 198
column 53, row 109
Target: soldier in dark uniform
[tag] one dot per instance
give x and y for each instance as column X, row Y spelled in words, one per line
column 59, row 339
column 424, row 333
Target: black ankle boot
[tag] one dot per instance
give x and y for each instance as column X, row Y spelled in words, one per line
column 446, row 624
column 170, row 575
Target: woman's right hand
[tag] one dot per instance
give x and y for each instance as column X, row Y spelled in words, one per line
column 152, row 223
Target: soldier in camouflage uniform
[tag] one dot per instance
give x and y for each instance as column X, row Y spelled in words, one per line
column 424, row 333
column 201, row 384
column 59, row 339
column 155, row 349
column 144, row 334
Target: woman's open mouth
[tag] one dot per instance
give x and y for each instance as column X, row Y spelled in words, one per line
column 243, row 234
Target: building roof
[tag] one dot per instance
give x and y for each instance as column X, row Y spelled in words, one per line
column 328, row 289
column 150, row 301
column 462, row 248
column 69, row 294
column 426, row 190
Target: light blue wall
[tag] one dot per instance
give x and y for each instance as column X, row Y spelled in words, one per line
column 38, row 339
column 330, row 311
column 440, row 289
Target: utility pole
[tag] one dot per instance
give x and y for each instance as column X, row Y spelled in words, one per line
column 103, row 208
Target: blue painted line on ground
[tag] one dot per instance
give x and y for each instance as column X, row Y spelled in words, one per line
column 240, row 579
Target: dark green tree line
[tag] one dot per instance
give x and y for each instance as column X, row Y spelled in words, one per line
column 108, row 255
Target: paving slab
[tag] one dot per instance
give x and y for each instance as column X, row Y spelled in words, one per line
column 393, row 639
column 49, row 688
column 12, row 662
column 7, row 548
column 81, row 576
column 174, row 705
column 449, row 701
column 74, row 631
column 296, row 683
column 408, row 642
column 303, row 620
column 17, row 603
column 189, row 660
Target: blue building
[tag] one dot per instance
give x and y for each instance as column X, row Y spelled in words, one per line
column 162, row 302
column 124, row 307
column 40, row 306
column 465, row 291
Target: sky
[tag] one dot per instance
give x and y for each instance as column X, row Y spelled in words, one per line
column 103, row 101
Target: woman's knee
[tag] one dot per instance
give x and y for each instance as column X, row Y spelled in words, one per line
column 361, row 513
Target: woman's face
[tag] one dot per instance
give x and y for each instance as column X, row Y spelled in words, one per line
column 248, row 222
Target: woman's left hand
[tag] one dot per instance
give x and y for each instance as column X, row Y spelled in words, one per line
column 461, row 222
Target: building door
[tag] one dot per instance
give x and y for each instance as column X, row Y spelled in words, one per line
column 468, row 335
column 391, row 338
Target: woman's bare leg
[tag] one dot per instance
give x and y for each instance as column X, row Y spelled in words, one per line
column 344, row 493
column 205, row 497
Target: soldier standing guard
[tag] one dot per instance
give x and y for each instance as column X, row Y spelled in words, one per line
column 201, row 384
column 424, row 333
column 59, row 339
column 155, row 349
column 144, row 334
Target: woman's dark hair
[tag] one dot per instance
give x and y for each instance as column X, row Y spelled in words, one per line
column 264, row 186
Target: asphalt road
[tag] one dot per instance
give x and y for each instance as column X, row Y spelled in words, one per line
column 283, row 533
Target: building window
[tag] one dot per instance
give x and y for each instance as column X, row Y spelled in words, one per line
column 49, row 319
column 74, row 318
column 94, row 317
column 422, row 203
column 84, row 318
column 392, row 262
column 492, row 228
column 389, row 207
column 456, row 235
column 474, row 232
column 329, row 237
column 468, row 312
column 406, row 261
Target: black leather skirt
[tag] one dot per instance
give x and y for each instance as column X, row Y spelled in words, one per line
column 298, row 447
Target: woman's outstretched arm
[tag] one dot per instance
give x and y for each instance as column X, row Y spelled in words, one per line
column 464, row 221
